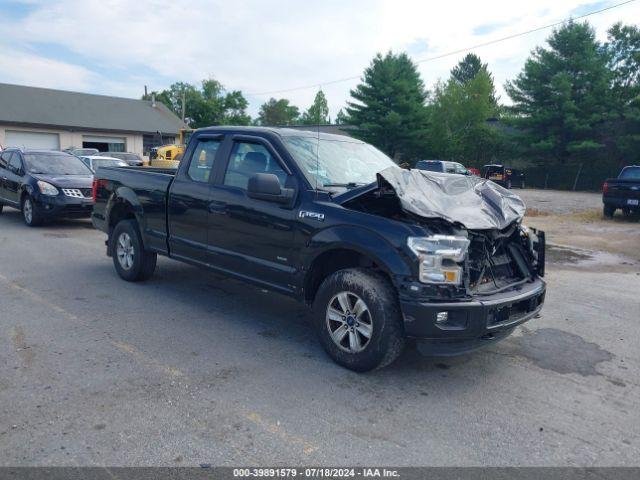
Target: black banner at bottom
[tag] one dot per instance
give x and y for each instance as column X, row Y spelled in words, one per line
column 206, row 472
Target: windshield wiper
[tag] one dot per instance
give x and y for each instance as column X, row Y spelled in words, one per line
column 344, row 185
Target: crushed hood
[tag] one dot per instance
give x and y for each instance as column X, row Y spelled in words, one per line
column 476, row 203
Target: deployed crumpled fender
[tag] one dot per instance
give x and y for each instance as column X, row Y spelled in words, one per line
column 476, row 203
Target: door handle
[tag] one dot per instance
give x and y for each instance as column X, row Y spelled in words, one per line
column 219, row 208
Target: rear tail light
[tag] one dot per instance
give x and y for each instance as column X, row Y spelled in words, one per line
column 97, row 185
column 605, row 188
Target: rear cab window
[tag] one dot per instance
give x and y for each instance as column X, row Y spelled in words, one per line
column 203, row 159
column 433, row 166
column 630, row 173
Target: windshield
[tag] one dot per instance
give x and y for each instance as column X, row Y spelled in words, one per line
column 55, row 164
column 337, row 163
column 108, row 163
column 631, row 173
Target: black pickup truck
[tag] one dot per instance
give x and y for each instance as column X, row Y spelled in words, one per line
column 381, row 254
column 622, row 192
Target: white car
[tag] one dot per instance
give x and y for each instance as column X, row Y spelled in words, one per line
column 96, row 161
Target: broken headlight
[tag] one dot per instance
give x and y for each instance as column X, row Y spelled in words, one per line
column 439, row 257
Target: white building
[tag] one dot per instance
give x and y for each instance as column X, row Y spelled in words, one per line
column 33, row 117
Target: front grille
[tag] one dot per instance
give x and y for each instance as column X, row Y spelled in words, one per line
column 77, row 192
column 495, row 263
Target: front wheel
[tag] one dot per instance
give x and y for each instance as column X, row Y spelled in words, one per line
column 30, row 214
column 358, row 320
column 608, row 211
column 132, row 262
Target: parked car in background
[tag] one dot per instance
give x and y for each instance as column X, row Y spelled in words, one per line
column 505, row 176
column 381, row 253
column 442, row 166
column 79, row 152
column 96, row 161
column 133, row 159
column 622, row 192
column 45, row 184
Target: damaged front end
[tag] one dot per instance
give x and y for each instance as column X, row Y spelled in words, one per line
column 478, row 268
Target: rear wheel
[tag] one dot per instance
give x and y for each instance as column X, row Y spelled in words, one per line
column 608, row 211
column 30, row 213
column 132, row 262
column 358, row 320
column 1, row 207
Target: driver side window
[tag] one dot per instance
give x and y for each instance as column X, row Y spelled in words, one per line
column 246, row 160
column 15, row 163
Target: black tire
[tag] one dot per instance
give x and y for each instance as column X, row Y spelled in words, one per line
column 137, row 264
column 1, row 207
column 608, row 210
column 386, row 340
column 30, row 213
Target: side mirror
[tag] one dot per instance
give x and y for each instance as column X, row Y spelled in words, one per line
column 266, row 186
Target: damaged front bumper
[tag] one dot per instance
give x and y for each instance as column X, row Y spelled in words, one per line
column 457, row 327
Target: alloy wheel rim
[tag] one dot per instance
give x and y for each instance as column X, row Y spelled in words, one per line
column 28, row 210
column 349, row 322
column 125, row 251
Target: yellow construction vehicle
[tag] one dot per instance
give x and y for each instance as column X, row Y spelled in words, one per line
column 169, row 156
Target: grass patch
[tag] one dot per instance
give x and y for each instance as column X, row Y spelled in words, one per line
column 534, row 212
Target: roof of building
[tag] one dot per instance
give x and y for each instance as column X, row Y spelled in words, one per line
column 59, row 108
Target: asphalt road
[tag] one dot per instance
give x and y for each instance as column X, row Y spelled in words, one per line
column 193, row 368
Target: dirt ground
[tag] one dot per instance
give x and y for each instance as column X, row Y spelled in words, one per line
column 574, row 220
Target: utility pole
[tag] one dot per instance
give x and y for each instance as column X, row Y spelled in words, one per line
column 183, row 104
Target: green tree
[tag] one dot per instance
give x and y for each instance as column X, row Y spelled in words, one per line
column 342, row 118
column 388, row 108
column 458, row 118
column 468, row 68
column 208, row 105
column 561, row 97
column 623, row 50
column 318, row 112
column 278, row 112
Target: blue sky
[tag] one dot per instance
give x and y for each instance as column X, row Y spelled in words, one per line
column 117, row 47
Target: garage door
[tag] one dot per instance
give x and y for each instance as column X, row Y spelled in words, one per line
column 19, row 138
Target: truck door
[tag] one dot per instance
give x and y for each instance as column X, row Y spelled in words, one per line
column 250, row 237
column 188, row 203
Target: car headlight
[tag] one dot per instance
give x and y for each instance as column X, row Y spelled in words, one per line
column 439, row 256
column 47, row 188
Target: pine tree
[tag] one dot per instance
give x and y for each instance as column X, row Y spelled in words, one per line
column 318, row 112
column 468, row 68
column 388, row 108
column 561, row 97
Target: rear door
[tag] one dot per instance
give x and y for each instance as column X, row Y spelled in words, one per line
column 13, row 178
column 250, row 237
column 4, row 162
column 188, row 203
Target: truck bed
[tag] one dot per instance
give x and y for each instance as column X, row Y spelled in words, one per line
column 147, row 189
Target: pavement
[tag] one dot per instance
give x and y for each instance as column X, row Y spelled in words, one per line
column 193, row 368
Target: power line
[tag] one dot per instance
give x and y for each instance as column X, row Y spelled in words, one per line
column 448, row 54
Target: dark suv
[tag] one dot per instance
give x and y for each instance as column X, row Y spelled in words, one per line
column 45, row 184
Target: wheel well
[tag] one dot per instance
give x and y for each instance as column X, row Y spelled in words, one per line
column 119, row 212
column 330, row 262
